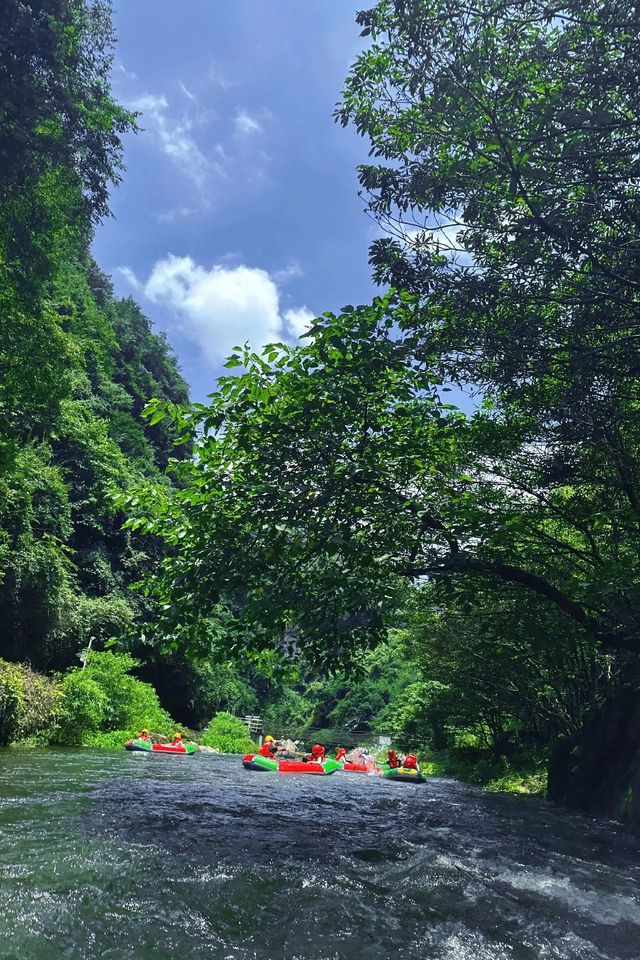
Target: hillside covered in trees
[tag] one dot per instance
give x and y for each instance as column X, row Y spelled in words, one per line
column 76, row 364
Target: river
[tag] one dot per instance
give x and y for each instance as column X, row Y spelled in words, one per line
column 118, row 856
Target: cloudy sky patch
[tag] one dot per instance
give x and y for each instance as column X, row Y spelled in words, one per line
column 238, row 216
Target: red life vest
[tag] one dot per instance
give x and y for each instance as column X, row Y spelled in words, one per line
column 410, row 762
column 392, row 757
column 267, row 750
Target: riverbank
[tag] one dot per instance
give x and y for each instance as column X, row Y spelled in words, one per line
column 526, row 775
column 100, row 705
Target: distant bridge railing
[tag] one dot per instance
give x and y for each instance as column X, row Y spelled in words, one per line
column 329, row 736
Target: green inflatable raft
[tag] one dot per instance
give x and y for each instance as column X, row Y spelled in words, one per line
column 255, row 761
column 404, row 774
column 145, row 746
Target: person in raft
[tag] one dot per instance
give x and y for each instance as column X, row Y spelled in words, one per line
column 144, row 735
column 176, row 740
column 268, row 748
column 410, row 762
column 368, row 760
column 317, row 753
column 392, row 759
column 341, row 753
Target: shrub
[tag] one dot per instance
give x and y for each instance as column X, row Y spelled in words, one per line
column 534, row 783
column 109, row 740
column 28, row 703
column 228, row 734
column 105, row 698
column 82, row 709
column 38, row 714
column 11, row 701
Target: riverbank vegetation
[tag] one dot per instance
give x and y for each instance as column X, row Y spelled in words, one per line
column 330, row 542
column 100, row 704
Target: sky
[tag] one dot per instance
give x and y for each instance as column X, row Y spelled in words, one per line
column 238, row 216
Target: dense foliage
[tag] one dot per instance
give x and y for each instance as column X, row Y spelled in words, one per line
column 98, row 704
column 227, row 734
column 103, row 697
column 76, row 365
column 504, row 170
column 509, row 132
column 28, row 702
column 328, row 510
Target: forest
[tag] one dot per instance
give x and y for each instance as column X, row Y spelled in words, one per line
column 330, row 542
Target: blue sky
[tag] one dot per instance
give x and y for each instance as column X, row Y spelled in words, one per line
column 238, row 215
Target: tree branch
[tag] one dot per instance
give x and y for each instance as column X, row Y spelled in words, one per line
column 463, row 563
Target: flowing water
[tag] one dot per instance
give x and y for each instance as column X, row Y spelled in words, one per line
column 118, row 856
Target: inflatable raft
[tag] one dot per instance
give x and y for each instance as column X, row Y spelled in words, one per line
column 145, row 746
column 404, row 774
column 255, row 761
column 354, row 767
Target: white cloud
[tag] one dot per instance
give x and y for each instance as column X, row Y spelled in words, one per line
column 177, row 213
column 246, row 125
column 188, row 94
column 221, row 307
column 299, row 320
column 290, row 272
column 174, row 137
column 128, row 274
column 127, row 74
column 216, row 76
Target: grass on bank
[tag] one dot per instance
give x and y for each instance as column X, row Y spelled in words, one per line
column 524, row 774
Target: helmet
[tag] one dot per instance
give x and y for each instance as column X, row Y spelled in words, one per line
column 177, row 736
column 269, row 739
column 144, row 730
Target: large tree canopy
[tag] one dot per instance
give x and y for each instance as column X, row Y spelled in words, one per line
column 327, row 474
column 505, row 138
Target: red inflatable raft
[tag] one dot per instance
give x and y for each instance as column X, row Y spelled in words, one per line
column 254, row 761
column 145, row 746
column 354, row 767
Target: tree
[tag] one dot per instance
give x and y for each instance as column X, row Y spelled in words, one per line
column 60, row 149
column 326, row 474
column 297, row 512
column 497, row 664
column 74, row 362
column 505, row 138
column 56, row 111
